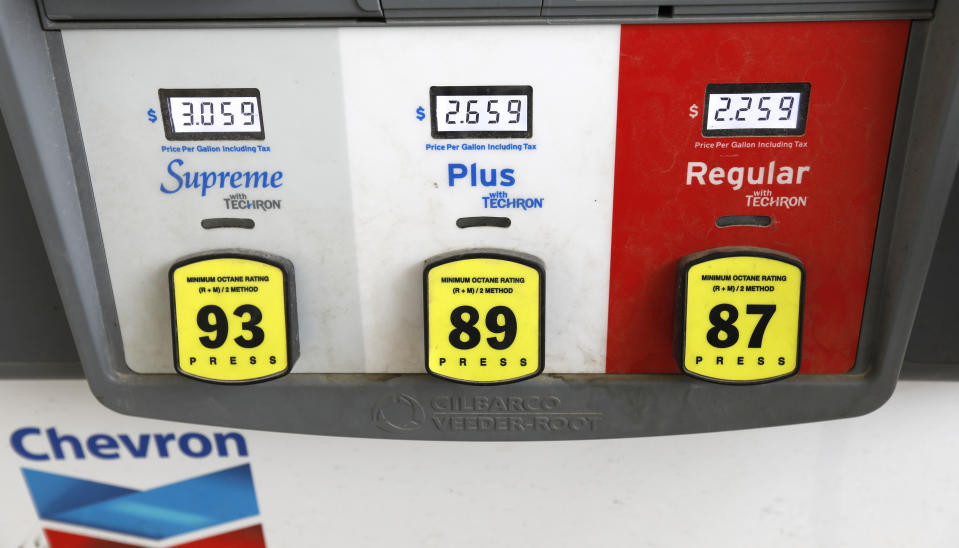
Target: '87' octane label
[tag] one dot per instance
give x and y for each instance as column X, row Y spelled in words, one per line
column 739, row 315
column 484, row 317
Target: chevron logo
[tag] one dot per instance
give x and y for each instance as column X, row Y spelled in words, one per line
column 153, row 516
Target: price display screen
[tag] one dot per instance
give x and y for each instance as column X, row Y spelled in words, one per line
column 211, row 114
column 460, row 112
column 752, row 110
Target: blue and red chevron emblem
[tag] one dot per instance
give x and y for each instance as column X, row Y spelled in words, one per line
column 156, row 515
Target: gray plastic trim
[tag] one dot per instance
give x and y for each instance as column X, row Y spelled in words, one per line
column 118, row 10
column 547, row 407
column 681, row 8
column 600, row 17
column 57, row 14
column 560, row 13
column 755, row 8
column 33, row 328
column 934, row 339
column 461, row 8
column 29, row 101
column 172, row 10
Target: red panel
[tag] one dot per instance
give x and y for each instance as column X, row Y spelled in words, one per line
column 854, row 69
column 250, row 537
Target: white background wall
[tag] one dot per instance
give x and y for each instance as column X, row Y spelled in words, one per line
column 887, row 479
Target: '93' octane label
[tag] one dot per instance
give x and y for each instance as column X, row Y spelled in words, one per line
column 234, row 319
column 484, row 317
column 739, row 314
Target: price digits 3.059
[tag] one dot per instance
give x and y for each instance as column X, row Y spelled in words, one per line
column 204, row 115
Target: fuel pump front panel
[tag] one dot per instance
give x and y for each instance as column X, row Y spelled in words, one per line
column 424, row 182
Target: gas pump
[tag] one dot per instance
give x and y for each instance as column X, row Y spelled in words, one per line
column 350, row 219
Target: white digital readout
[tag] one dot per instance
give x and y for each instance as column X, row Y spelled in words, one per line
column 215, row 114
column 473, row 113
column 753, row 111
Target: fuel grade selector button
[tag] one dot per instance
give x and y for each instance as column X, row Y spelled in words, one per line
column 739, row 314
column 484, row 316
column 233, row 316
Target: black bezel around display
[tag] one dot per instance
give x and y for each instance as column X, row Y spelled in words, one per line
column 171, row 135
column 803, row 88
column 481, row 90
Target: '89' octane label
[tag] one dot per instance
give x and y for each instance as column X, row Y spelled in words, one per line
column 484, row 317
column 739, row 315
column 234, row 317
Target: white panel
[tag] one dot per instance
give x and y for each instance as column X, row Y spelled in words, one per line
column 116, row 75
column 406, row 209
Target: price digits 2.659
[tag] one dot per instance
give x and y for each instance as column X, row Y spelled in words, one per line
column 514, row 108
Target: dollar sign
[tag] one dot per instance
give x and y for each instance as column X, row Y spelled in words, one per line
column 152, row 115
column 693, row 111
column 420, row 113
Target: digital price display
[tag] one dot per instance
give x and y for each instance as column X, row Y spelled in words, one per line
column 739, row 315
column 755, row 110
column 233, row 316
column 211, row 114
column 484, row 317
column 460, row 112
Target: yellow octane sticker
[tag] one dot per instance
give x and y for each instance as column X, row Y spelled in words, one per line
column 484, row 316
column 230, row 319
column 741, row 317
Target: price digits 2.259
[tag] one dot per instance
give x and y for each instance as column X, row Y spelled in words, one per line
column 785, row 108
